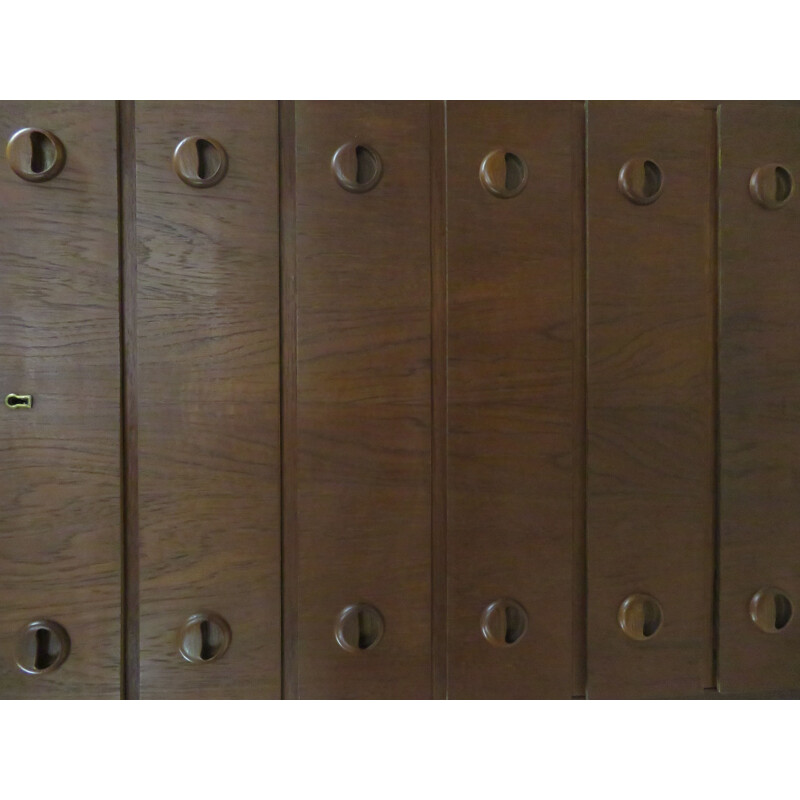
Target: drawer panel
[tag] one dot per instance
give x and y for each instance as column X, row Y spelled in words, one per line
column 515, row 398
column 363, row 406
column 208, row 400
column 651, row 406
column 759, row 364
column 60, row 526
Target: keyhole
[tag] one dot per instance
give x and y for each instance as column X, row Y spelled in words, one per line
column 43, row 153
column 19, row 401
column 208, row 160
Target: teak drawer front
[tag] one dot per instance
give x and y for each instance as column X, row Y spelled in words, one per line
column 60, row 513
column 515, row 387
column 363, row 398
column 208, row 388
column 759, row 364
column 650, row 415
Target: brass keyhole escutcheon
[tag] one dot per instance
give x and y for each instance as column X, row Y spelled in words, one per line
column 357, row 167
column 641, row 181
column 200, row 161
column 771, row 609
column 640, row 616
column 19, row 401
column 204, row 637
column 359, row 627
column 504, row 622
column 503, row 174
column 771, row 186
column 35, row 155
column 42, row 646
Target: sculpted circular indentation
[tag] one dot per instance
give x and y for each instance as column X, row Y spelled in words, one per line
column 35, row 155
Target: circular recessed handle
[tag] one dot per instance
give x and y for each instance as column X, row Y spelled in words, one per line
column 504, row 622
column 640, row 616
column 771, row 186
column 357, row 167
column 503, row 174
column 42, row 646
column 35, row 155
column 359, row 627
column 641, row 181
column 200, row 161
column 771, row 609
column 204, row 637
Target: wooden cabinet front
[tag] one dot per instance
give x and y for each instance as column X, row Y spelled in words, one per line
column 398, row 399
column 650, row 403
column 60, row 510
column 208, row 400
column 363, row 400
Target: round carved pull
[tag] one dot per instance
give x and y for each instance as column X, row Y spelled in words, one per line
column 503, row 174
column 359, row 627
column 200, row 162
column 204, row 637
column 771, row 186
column 504, row 622
column 640, row 616
column 641, row 181
column 770, row 609
column 356, row 167
column 35, row 155
column 42, row 646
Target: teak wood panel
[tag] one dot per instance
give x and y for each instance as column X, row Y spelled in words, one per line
column 515, row 386
column 363, row 439
column 208, row 387
column 759, row 363
column 60, row 520
column 650, row 408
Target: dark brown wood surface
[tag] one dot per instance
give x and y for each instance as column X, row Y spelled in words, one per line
column 60, row 525
column 651, row 415
column 420, row 392
column 759, row 363
column 208, row 400
column 514, row 373
column 363, row 299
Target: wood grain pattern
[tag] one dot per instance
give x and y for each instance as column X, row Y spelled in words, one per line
column 651, row 426
column 60, row 524
column 364, row 400
column 208, row 400
column 514, row 428
column 759, row 362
